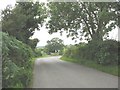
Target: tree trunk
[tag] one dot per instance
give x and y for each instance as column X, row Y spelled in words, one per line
column 97, row 37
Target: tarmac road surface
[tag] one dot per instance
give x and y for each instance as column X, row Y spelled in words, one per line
column 51, row 72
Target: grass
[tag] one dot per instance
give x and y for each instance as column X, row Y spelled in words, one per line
column 111, row 69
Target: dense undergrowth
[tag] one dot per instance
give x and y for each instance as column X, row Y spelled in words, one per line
column 102, row 55
column 16, row 63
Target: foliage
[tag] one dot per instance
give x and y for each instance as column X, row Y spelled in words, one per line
column 71, row 51
column 16, row 62
column 107, row 52
column 22, row 20
column 104, row 52
column 103, row 55
column 38, row 52
column 89, row 19
column 33, row 43
column 54, row 46
column 111, row 69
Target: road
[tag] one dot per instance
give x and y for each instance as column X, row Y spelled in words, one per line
column 51, row 72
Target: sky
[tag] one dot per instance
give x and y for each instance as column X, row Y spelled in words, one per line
column 43, row 34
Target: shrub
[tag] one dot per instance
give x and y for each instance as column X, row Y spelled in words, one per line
column 38, row 52
column 16, row 62
column 68, row 51
column 107, row 53
column 71, row 51
column 83, row 51
column 102, row 52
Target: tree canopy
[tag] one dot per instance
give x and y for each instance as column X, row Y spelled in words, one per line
column 54, row 45
column 92, row 20
column 22, row 20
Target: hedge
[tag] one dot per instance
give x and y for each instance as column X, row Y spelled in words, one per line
column 104, row 52
column 16, row 62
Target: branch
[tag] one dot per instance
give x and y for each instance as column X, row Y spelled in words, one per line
column 88, row 27
column 90, row 17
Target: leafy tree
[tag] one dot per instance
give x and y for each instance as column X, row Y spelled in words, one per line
column 22, row 20
column 54, row 45
column 33, row 43
column 89, row 19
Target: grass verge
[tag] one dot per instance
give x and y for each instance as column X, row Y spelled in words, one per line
column 89, row 63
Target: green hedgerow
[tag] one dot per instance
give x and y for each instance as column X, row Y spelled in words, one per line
column 16, row 62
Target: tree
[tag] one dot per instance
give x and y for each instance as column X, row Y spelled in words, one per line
column 33, row 43
column 22, row 20
column 92, row 20
column 54, row 45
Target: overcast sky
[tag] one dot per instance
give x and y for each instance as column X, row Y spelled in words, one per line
column 43, row 35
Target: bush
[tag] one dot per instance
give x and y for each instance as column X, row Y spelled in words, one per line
column 107, row 53
column 71, row 52
column 16, row 62
column 38, row 52
column 83, row 51
column 61, row 52
column 102, row 52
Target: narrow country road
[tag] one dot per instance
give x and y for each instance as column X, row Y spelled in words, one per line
column 51, row 72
